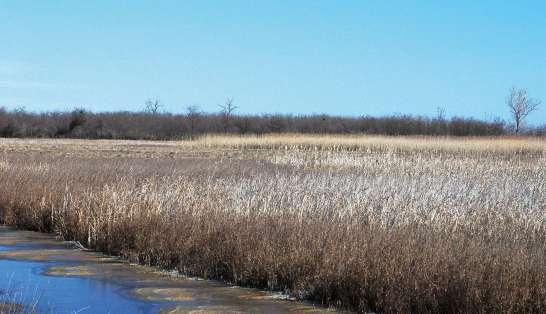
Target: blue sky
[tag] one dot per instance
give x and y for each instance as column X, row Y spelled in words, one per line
column 336, row 57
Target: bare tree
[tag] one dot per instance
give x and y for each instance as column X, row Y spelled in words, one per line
column 440, row 113
column 226, row 111
column 78, row 118
column 193, row 114
column 521, row 105
column 20, row 110
column 152, row 106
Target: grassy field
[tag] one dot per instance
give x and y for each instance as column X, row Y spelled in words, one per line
column 384, row 224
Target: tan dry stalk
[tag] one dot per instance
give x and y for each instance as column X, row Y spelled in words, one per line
column 367, row 223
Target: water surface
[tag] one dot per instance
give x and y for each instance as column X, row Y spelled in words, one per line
column 50, row 276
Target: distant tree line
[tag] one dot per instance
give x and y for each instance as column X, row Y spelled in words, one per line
column 154, row 124
column 165, row 126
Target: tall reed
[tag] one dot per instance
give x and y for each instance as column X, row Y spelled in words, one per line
column 416, row 226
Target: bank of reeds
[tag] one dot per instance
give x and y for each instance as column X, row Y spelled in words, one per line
column 432, row 227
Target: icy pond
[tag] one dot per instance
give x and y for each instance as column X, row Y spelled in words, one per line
column 43, row 275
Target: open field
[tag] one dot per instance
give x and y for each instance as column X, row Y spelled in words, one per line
column 384, row 224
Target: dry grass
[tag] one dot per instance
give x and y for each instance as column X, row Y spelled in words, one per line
column 411, row 144
column 369, row 223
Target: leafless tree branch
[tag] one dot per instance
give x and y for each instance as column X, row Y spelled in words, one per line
column 152, row 106
column 226, row 111
column 520, row 105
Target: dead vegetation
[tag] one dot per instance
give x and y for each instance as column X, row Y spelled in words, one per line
column 367, row 223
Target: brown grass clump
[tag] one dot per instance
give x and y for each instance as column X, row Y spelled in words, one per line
column 10, row 308
column 366, row 223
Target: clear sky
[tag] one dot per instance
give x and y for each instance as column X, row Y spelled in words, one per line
column 336, row 57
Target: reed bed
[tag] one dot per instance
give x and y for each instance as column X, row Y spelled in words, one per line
column 364, row 143
column 364, row 223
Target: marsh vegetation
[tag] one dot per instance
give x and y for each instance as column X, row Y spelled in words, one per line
column 383, row 224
